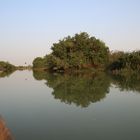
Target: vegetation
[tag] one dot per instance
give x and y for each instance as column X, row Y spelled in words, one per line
column 5, row 66
column 39, row 63
column 29, row 67
column 78, row 52
column 84, row 52
column 121, row 62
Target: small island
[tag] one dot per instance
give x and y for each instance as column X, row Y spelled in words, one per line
column 82, row 52
column 75, row 53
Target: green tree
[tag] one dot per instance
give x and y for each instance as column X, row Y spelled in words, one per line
column 77, row 52
column 6, row 66
column 39, row 62
column 125, row 61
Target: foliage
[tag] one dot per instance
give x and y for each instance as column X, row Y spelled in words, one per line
column 84, row 52
column 6, row 66
column 78, row 52
column 129, row 61
column 39, row 62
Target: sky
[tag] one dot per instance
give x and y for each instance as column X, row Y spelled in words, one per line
column 28, row 28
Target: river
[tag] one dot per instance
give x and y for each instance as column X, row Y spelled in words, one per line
column 42, row 106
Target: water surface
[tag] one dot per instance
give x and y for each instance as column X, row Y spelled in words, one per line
column 40, row 106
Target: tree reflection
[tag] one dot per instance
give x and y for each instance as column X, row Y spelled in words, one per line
column 129, row 82
column 77, row 88
column 4, row 131
column 5, row 73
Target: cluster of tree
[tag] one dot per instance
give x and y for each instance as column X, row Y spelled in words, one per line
column 77, row 89
column 125, row 61
column 5, row 66
column 84, row 52
column 77, row 52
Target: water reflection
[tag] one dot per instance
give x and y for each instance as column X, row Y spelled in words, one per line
column 4, row 131
column 130, row 82
column 78, row 89
column 33, row 114
column 5, row 73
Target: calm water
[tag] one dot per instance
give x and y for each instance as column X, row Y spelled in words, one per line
column 42, row 106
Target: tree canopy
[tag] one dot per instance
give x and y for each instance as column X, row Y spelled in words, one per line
column 77, row 52
column 6, row 66
column 39, row 62
column 125, row 61
column 82, row 51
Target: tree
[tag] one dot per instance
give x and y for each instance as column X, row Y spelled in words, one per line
column 39, row 62
column 6, row 66
column 121, row 61
column 77, row 52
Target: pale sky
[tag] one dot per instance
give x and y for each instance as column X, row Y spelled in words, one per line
column 28, row 28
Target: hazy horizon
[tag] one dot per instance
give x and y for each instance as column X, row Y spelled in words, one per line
column 28, row 28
